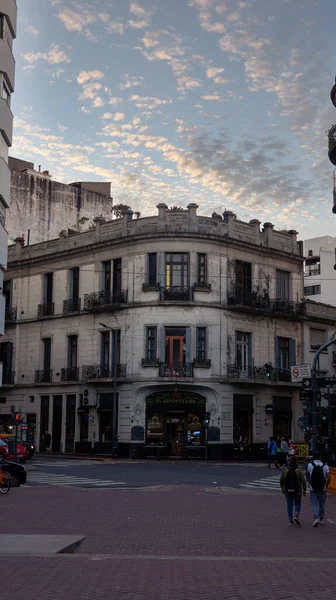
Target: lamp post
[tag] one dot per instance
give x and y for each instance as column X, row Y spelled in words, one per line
column 114, row 365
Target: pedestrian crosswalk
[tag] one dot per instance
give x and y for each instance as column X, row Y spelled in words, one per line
column 54, row 479
column 264, row 483
column 61, row 463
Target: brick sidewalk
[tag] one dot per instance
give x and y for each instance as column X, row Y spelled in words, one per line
column 161, row 545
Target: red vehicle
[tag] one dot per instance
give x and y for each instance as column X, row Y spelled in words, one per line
column 21, row 451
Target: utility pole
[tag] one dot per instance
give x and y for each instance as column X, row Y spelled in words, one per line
column 115, row 403
column 315, row 394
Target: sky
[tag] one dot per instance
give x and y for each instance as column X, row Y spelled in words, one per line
column 220, row 102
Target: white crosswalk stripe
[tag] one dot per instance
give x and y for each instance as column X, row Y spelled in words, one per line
column 53, row 479
column 61, row 463
column 264, row 483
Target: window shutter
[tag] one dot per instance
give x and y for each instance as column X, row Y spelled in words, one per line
column 276, row 352
column 161, row 269
column 249, row 351
column 292, row 352
column 162, row 344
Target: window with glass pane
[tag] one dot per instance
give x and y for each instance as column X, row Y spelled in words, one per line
column 243, row 279
column 177, row 275
column 6, row 93
column 72, row 351
column 282, row 285
column 105, row 348
column 106, row 281
column 116, row 341
column 243, row 341
column 46, row 354
column 152, row 268
column 317, row 338
column 151, row 343
column 74, row 283
column 284, row 353
column 117, row 275
column 201, row 343
column 201, row 269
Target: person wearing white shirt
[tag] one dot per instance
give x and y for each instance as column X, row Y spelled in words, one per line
column 318, row 478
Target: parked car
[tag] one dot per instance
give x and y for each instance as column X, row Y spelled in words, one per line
column 17, row 472
column 8, row 454
column 29, row 446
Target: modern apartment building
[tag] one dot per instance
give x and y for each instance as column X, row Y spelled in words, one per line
column 141, row 326
column 319, row 271
column 8, row 16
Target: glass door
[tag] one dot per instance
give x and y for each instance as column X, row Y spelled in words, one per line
column 175, row 354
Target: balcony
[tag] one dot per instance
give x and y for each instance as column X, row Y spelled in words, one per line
column 7, row 63
column 10, row 315
column 104, row 300
column 70, row 374
column 102, row 371
column 177, row 294
column 257, row 373
column 6, row 121
column 176, row 370
column 43, row 376
column 150, row 287
column 72, row 305
column 149, row 362
column 263, row 304
column 8, row 377
column 9, row 8
column 202, row 363
column 5, row 178
column 46, row 310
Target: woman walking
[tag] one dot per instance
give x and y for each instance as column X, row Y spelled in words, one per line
column 293, row 485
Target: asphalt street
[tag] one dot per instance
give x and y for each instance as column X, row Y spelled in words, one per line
column 86, row 474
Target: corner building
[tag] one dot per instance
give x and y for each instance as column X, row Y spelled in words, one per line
column 185, row 310
column 8, row 17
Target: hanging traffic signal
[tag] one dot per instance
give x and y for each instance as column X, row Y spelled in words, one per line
column 268, row 370
column 207, row 419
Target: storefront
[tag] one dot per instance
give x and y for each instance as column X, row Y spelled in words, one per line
column 175, row 424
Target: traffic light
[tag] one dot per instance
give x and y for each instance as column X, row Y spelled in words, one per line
column 16, row 418
column 268, row 370
column 206, row 419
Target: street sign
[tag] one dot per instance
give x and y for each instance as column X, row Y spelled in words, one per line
column 300, row 372
column 306, row 395
column 306, row 383
column 322, row 382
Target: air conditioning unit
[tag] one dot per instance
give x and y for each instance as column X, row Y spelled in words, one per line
column 90, row 398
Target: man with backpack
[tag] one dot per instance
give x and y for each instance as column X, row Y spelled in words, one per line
column 293, row 484
column 272, row 450
column 318, row 477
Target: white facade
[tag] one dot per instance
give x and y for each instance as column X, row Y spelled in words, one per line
column 319, row 272
column 8, row 15
column 196, row 307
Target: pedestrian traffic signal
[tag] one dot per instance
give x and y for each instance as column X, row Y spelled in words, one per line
column 16, row 418
column 268, row 370
column 207, row 419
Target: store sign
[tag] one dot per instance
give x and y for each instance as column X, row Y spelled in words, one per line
column 176, row 399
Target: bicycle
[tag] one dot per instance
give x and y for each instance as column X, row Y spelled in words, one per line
column 5, row 482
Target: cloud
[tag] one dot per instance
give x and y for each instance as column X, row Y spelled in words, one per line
column 213, row 97
column 33, row 30
column 142, row 16
column 76, row 20
column 131, row 81
column 119, row 116
column 114, row 101
column 54, row 56
column 148, row 102
column 85, row 76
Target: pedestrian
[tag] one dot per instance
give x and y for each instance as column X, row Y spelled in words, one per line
column 272, row 449
column 284, row 452
column 318, row 477
column 293, row 485
column 291, row 450
column 47, row 441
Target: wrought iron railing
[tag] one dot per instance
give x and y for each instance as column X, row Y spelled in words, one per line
column 149, row 362
column 265, row 304
column 10, row 314
column 8, row 377
column 202, row 363
column 176, row 369
column 70, row 374
column 178, row 293
column 104, row 300
column 202, row 285
column 149, row 286
column 43, row 376
column 71, row 305
column 46, row 310
column 102, row 371
column 260, row 373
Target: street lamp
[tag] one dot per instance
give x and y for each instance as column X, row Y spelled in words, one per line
column 114, row 412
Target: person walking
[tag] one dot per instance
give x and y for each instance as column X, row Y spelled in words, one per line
column 318, row 477
column 272, row 450
column 47, row 441
column 293, row 485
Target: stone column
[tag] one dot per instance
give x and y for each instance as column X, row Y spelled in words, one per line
column 162, row 207
column 256, row 225
column 192, row 208
column 268, row 229
column 228, row 217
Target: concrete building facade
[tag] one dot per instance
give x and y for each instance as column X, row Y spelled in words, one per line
column 319, row 272
column 8, row 17
column 41, row 207
column 185, row 310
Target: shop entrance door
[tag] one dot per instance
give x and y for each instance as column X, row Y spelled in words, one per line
column 175, row 353
column 175, row 439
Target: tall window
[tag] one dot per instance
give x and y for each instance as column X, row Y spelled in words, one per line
column 243, row 279
column 117, row 276
column 151, row 343
column 201, row 269
column 177, row 271
column 6, row 357
column 243, row 350
column 105, row 349
column 282, row 285
column 74, row 283
column 106, row 279
column 48, row 279
column 7, row 292
column 6, row 93
column 317, row 338
column 116, row 342
column 47, row 354
column 152, row 268
column 201, row 343
column 72, row 351
column 283, row 349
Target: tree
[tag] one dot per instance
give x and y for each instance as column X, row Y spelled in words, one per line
column 118, row 209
